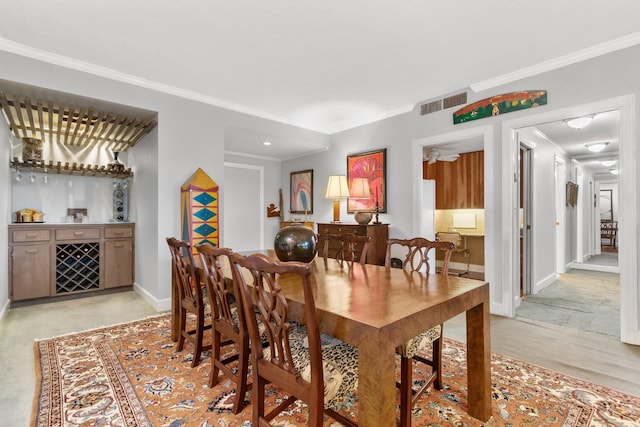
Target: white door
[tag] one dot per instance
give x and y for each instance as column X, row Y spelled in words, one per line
column 243, row 225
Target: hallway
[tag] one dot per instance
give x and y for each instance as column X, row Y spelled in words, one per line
column 580, row 299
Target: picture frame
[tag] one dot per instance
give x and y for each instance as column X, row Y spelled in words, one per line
column 373, row 166
column 301, row 192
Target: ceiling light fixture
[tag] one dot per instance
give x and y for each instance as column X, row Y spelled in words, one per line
column 608, row 163
column 579, row 122
column 266, row 143
column 596, row 147
column 613, row 171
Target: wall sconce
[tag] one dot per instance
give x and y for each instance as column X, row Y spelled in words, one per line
column 579, row 122
column 337, row 188
column 360, row 190
column 596, row 147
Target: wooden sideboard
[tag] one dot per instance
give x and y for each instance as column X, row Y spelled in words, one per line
column 48, row 260
column 379, row 233
column 308, row 224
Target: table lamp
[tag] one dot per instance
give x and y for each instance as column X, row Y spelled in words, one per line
column 337, row 189
column 359, row 190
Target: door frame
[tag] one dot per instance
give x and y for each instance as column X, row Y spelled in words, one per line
column 259, row 216
column 490, row 199
column 628, row 187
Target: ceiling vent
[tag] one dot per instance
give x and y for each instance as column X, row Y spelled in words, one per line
column 431, row 107
column 443, row 104
column 455, row 100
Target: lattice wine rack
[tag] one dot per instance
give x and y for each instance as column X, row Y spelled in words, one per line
column 77, row 267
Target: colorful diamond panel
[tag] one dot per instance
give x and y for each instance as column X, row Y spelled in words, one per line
column 200, row 211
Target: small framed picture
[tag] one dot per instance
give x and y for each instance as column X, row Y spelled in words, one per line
column 301, row 192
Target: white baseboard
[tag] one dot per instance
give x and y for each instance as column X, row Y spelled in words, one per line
column 545, row 282
column 593, row 267
column 158, row 305
column 4, row 310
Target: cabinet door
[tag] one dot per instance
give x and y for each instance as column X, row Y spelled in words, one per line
column 118, row 263
column 30, row 271
column 459, row 184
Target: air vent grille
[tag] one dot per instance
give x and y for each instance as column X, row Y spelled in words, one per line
column 454, row 100
column 431, row 107
column 443, row 104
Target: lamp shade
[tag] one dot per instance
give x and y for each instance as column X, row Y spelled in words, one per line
column 337, row 187
column 360, row 189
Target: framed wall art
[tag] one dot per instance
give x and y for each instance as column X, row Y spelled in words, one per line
column 371, row 165
column 301, row 192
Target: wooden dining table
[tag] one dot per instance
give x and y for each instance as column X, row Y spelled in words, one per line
column 377, row 308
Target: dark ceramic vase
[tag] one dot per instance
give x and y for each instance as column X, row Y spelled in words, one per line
column 295, row 242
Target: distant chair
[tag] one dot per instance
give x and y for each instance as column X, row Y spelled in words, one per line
column 455, row 238
column 190, row 297
column 416, row 258
column 228, row 324
column 609, row 232
column 350, row 245
column 295, row 356
column 324, row 242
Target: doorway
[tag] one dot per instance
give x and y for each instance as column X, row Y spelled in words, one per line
column 628, row 188
column 243, row 228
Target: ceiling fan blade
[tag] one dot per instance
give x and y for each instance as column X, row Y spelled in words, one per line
column 449, row 158
column 432, row 160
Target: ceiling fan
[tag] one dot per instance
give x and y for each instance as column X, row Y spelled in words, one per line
column 435, row 156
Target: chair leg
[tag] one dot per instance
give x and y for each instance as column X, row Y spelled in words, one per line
column 215, row 355
column 241, row 378
column 406, row 392
column 182, row 322
column 198, row 341
column 437, row 361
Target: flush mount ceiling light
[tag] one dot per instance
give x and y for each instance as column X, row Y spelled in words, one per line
column 596, row 147
column 607, row 163
column 579, row 122
column 613, row 171
column 267, row 143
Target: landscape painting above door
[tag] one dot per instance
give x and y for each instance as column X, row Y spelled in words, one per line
column 500, row 104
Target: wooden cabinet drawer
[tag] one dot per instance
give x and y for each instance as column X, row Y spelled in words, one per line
column 31, row 235
column 118, row 233
column 78, row 234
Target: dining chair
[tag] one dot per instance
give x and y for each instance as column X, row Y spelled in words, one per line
column 416, row 258
column 351, row 244
column 324, row 244
column 228, row 325
column 455, row 238
column 190, row 297
column 315, row 368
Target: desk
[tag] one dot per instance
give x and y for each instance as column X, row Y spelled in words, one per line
column 376, row 309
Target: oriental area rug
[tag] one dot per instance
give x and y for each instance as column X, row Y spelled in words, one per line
column 130, row 375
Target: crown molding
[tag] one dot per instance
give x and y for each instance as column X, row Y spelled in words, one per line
column 108, row 73
column 563, row 61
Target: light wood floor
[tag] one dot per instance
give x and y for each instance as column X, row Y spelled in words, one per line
column 594, row 357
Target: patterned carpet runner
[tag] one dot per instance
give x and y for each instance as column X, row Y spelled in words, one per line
column 130, row 375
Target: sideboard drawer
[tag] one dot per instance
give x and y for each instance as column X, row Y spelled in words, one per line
column 78, row 234
column 19, row 236
column 118, row 232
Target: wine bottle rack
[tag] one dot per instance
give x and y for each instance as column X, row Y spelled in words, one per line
column 77, row 267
